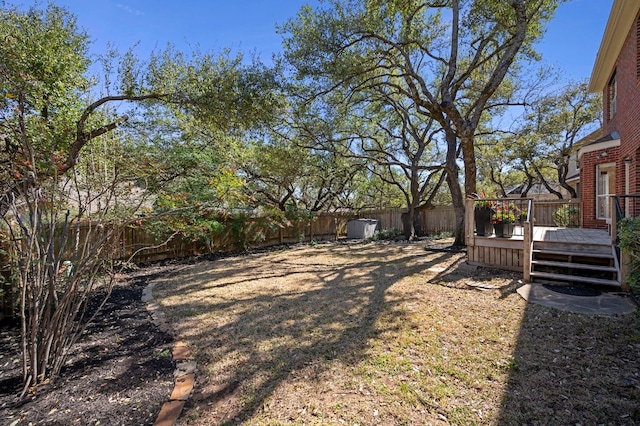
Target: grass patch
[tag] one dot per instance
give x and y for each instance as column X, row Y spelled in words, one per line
column 388, row 333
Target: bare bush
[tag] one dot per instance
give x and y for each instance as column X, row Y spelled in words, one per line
column 64, row 235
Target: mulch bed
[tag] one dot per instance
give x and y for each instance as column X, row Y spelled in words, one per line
column 573, row 290
column 120, row 372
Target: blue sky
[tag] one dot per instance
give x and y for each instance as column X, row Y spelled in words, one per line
column 571, row 43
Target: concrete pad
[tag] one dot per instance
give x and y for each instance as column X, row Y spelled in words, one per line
column 604, row 304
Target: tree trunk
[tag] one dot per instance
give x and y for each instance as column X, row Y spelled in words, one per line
column 470, row 168
column 454, row 188
column 563, row 170
column 407, row 224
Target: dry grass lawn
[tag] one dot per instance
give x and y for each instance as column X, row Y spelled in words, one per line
column 391, row 334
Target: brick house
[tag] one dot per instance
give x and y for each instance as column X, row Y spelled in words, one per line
column 609, row 165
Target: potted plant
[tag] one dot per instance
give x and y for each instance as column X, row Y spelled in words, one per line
column 521, row 217
column 503, row 220
column 482, row 211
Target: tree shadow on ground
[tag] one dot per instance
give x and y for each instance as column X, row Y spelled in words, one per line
column 256, row 323
column 571, row 368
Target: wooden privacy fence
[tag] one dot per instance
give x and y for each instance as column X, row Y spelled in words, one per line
column 140, row 246
column 137, row 244
column 433, row 221
column 256, row 232
column 544, row 212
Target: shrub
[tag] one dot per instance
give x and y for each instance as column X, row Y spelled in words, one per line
column 629, row 235
column 567, row 216
column 387, row 234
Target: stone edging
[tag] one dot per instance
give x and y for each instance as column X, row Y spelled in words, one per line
column 185, row 372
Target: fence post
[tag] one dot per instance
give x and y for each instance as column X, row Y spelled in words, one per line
column 526, row 252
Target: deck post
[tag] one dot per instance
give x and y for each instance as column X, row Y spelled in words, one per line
column 613, row 223
column 526, row 251
column 469, row 222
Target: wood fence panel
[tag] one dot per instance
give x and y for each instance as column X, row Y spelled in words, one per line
column 438, row 220
column 544, row 211
column 387, row 218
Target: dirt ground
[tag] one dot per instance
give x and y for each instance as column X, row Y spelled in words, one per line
column 119, row 374
column 341, row 334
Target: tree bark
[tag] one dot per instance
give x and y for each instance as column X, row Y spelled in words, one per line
column 457, row 199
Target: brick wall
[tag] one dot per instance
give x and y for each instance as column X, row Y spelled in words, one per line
column 626, row 122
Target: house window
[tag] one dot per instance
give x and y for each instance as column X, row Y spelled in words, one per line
column 612, row 89
column 605, row 184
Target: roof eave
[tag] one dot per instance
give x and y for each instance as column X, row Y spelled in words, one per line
column 612, row 143
column 621, row 18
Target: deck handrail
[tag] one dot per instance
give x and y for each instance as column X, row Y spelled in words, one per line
column 631, row 210
column 631, row 205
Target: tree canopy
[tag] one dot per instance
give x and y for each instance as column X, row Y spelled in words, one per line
column 447, row 60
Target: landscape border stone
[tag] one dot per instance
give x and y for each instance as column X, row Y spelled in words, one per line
column 186, row 368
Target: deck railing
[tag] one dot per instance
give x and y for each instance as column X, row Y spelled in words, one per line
column 485, row 248
column 627, row 206
column 527, row 245
column 512, row 211
column 623, row 206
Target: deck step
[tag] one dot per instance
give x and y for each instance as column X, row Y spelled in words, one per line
column 575, row 278
column 574, row 253
column 572, row 248
column 574, row 265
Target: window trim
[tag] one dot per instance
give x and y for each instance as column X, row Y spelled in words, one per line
column 606, row 167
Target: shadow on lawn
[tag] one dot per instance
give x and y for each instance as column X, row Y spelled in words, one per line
column 259, row 334
column 570, row 368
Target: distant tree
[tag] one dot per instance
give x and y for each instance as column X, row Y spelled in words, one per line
column 402, row 149
column 541, row 146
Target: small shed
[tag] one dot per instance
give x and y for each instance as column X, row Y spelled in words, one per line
column 361, row 228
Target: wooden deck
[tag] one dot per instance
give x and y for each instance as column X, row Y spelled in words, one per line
column 509, row 253
column 571, row 235
column 558, row 235
column 588, row 256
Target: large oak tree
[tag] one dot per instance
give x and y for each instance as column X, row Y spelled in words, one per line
column 448, row 58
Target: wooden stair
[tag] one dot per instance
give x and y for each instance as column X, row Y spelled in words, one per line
column 582, row 264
